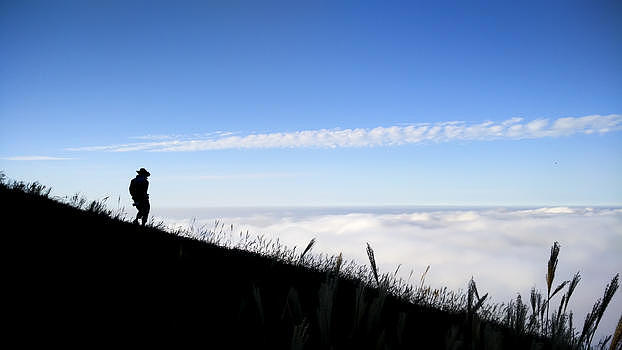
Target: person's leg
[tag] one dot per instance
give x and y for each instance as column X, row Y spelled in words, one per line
column 138, row 206
column 145, row 211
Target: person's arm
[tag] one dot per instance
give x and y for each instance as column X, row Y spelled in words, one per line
column 132, row 189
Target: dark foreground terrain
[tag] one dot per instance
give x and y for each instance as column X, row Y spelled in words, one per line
column 76, row 277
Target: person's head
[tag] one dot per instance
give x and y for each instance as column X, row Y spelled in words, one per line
column 143, row 172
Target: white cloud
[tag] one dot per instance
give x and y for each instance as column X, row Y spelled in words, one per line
column 505, row 250
column 32, row 158
column 513, row 129
column 551, row 210
column 163, row 137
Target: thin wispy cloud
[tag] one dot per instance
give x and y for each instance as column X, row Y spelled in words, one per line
column 511, row 129
column 34, row 158
column 180, row 137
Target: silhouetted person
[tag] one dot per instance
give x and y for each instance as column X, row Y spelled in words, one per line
column 138, row 190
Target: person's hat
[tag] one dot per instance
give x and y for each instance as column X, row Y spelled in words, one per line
column 143, row 171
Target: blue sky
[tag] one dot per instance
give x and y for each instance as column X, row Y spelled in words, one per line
column 239, row 103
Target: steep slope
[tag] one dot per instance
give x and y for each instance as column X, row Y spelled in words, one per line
column 77, row 278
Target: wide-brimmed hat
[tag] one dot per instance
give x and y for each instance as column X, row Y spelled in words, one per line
column 143, row 171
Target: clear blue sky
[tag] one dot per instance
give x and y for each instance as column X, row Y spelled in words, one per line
column 84, row 74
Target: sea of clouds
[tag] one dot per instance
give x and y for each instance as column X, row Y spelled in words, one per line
column 504, row 249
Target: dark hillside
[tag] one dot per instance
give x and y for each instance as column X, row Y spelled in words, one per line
column 80, row 278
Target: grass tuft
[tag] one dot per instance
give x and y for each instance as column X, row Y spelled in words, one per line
column 372, row 263
column 616, row 342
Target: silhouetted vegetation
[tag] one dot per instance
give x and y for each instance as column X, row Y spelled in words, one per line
column 82, row 274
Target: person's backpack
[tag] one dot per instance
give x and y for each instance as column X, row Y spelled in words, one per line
column 133, row 188
column 138, row 188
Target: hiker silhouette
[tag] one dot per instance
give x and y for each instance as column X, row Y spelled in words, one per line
column 138, row 191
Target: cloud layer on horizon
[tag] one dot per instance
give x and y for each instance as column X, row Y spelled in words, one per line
column 512, row 129
column 505, row 250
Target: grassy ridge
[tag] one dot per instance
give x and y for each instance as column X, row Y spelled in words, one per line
column 77, row 274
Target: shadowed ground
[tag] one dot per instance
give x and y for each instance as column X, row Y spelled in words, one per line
column 74, row 277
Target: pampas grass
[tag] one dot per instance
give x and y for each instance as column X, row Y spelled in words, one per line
column 372, row 262
column 610, row 290
column 307, row 249
column 300, row 335
column 616, row 342
column 550, row 275
column 324, row 312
